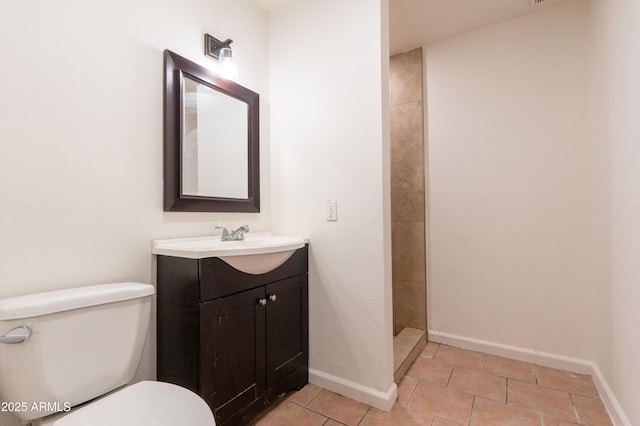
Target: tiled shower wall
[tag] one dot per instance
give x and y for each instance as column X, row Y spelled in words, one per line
column 408, row 192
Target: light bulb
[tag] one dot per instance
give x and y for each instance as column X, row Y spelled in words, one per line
column 227, row 68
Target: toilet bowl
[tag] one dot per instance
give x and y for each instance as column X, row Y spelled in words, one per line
column 68, row 357
column 144, row 403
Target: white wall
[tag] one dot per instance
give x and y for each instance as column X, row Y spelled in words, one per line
column 534, row 144
column 511, row 254
column 330, row 140
column 81, row 135
column 615, row 136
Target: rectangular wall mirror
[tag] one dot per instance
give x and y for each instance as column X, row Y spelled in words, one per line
column 211, row 141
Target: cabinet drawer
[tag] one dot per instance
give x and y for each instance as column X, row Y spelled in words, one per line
column 218, row 279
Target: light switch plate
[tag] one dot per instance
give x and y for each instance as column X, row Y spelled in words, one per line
column 332, row 211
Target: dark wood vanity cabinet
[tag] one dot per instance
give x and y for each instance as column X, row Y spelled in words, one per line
column 238, row 340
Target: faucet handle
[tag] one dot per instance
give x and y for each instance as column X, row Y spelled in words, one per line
column 226, row 235
column 238, row 234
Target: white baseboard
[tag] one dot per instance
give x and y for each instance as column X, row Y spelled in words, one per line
column 618, row 417
column 513, row 352
column 577, row 365
column 380, row 400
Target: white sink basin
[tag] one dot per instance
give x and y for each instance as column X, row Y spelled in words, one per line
column 257, row 254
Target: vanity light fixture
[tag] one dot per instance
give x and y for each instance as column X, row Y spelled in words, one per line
column 222, row 53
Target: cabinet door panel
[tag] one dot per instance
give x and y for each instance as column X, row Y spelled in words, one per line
column 286, row 328
column 232, row 352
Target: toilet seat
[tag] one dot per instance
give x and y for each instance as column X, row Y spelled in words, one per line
column 144, row 403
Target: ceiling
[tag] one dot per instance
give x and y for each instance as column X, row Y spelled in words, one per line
column 271, row 5
column 414, row 23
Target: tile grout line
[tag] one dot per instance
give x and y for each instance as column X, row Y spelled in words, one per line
column 506, row 391
column 313, row 399
column 321, row 414
column 473, row 404
column 413, row 391
column 575, row 409
column 450, row 375
column 306, row 407
column 363, row 416
column 436, row 351
column 557, row 389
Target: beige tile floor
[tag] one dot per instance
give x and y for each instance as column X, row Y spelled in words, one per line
column 448, row 386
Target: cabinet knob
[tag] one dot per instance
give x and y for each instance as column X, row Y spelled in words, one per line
column 273, row 297
column 262, row 301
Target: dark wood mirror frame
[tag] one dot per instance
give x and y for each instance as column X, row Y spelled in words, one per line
column 174, row 200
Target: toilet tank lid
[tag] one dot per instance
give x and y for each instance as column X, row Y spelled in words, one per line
column 50, row 302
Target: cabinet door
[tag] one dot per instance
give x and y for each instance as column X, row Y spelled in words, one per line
column 232, row 352
column 287, row 328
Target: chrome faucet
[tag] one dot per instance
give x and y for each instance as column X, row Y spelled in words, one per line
column 236, row 235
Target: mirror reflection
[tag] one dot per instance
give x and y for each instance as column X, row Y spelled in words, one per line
column 214, row 156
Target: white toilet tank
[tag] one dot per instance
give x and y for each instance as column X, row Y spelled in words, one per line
column 84, row 342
